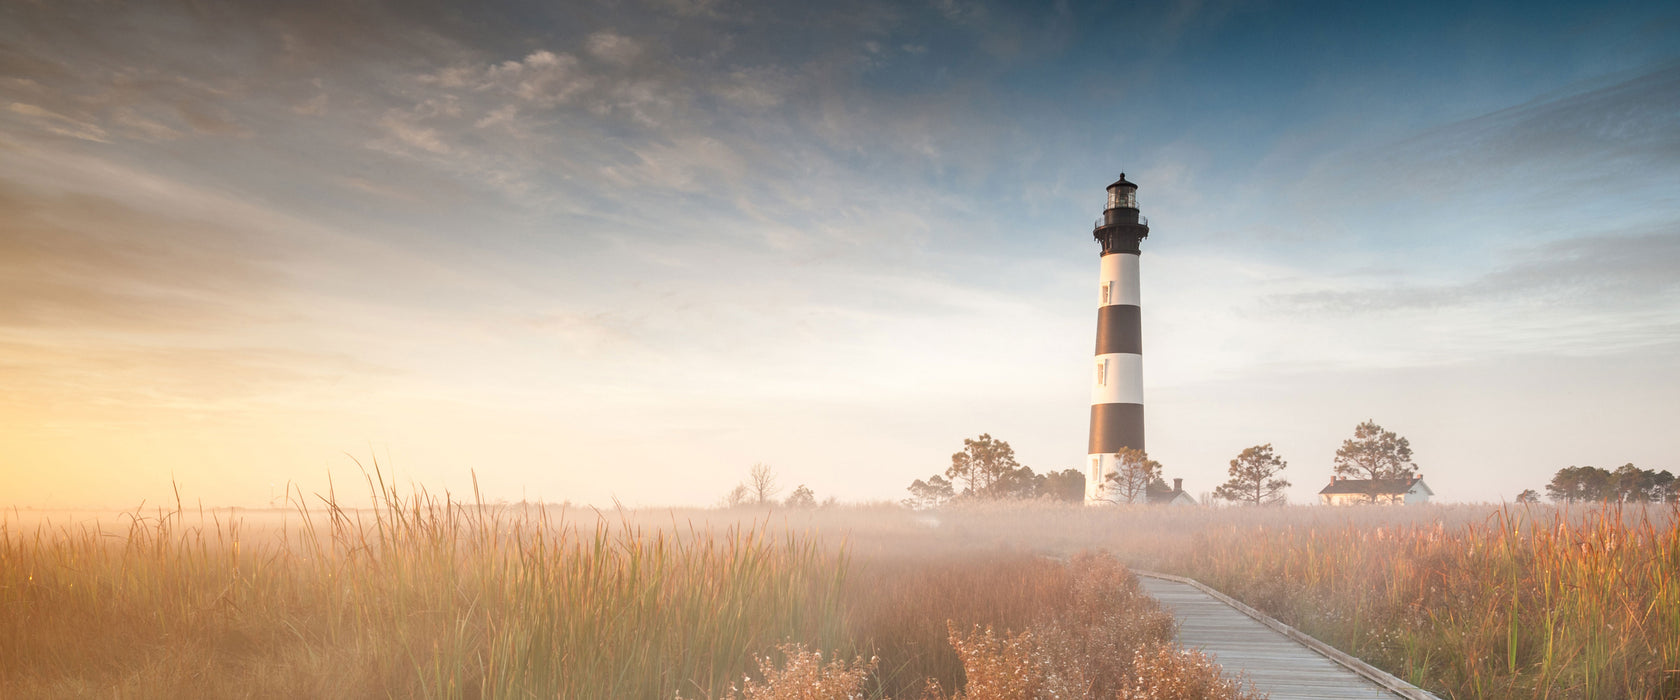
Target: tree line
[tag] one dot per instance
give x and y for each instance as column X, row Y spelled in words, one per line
column 1627, row 484
column 986, row 469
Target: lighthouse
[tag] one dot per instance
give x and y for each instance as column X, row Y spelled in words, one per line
column 1117, row 374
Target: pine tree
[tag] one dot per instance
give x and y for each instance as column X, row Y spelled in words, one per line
column 1255, row 478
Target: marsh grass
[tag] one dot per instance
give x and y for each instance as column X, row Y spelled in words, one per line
column 429, row 596
column 1527, row 603
column 1033, row 628
column 420, row 597
column 901, row 612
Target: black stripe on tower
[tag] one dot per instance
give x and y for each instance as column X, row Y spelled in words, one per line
column 1116, row 425
column 1119, row 329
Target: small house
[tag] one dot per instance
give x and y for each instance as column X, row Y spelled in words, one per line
column 1407, row 490
column 1160, row 496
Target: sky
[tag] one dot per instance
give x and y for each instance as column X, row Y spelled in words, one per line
column 622, row 250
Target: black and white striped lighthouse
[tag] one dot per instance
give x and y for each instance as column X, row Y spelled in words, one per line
column 1117, row 379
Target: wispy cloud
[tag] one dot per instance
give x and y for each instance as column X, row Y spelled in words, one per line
column 1593, row 274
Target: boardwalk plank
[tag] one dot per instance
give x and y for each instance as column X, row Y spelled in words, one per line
column 1274, row 663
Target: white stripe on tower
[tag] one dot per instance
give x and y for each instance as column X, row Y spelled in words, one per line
column 1117, row 372
column 1119, row 380
column 1120, row 278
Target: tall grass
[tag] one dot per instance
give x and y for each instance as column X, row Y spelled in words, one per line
column 901, row 615
column 430, row 596
column 1526, row 604
column 425, row 596
column 421, row 596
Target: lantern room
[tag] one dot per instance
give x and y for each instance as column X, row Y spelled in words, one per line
column 1122, row 194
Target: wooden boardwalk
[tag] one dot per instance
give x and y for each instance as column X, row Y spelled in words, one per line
column 1279, row 660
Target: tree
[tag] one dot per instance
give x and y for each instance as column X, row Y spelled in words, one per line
column 981, row 464
column 1018, row 483
column 1665, row 487
column 736, row 497
column 802, row 498
column 929, row 494
column 1631, row 483
column 1065, row 485
column 1580, row 484
column 1528, row 496
column 1374, row 454
column 1255, row 477
column 1635, row 485
column 761, row 483
column 986, row 470
column 1133, row 474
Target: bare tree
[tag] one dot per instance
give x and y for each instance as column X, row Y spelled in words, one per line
column 1133, row 472
column 761, row 483
column 736, row 497
column 1254, row 477
column 1374, row 454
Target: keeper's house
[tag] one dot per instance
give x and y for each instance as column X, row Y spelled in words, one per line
column 1391, row 492
column 1160, row 496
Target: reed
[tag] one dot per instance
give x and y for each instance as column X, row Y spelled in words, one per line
column 430, row 596
column 1528, row 603
column 420, row 597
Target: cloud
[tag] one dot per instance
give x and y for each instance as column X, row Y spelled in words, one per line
column 1592, row 143
column 313, row 107
column 423, row 138
column 597, row 335
column 755, row 88
column 1594, row 271
column 613, row 48
column 694, row 164
column 211, row 120
column 543, row 77
column 117, row 382
column 87, row 261
column 137, row 126
column 59, row 124
column 1586, row 296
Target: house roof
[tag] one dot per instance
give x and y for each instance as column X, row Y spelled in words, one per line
column 1380, row 487
column 1165, row 495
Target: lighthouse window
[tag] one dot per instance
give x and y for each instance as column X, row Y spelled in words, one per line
column 1102, row 373
column 1096, row 470
column 1107, row 291
column 1128, row 198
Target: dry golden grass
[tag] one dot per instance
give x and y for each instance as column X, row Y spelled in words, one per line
column 1528, row 603
column 427, row 597
column 420, row 598
column 901, row 604
column 1095, row 635
column 1108, row 640
column 802, row 675
column 1467, row 600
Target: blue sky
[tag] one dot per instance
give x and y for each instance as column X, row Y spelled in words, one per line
column 627, row 249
